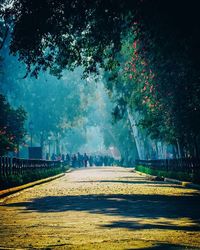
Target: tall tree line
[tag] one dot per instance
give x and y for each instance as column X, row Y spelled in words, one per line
column 149, row 51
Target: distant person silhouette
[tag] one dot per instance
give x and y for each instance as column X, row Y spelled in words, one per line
column 85, row 159
column 74, row 161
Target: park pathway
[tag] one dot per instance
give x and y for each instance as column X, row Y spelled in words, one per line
column 102, row 208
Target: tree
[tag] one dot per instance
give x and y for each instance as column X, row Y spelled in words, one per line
column 162, row 87
column 11, row 127
column 162, row 77
column 66, row 33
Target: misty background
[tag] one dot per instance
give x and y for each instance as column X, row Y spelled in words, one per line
column 66, row 115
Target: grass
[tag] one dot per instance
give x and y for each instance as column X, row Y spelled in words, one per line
column 182, row 176
column 29, row 176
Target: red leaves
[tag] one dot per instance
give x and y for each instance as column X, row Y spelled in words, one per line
column 135, row 44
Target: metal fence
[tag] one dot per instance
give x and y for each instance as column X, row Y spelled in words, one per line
column 187, row 165
column 15, row 166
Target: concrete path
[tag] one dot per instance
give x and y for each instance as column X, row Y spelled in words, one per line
column 102, row 208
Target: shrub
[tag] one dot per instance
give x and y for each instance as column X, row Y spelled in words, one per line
column 29, row 176
column 183, row 176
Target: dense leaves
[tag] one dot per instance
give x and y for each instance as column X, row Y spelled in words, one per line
column 158, row 75
column 59, row 34
column 11, row 126
column 149, row 50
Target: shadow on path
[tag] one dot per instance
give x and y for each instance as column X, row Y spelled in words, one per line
column 137, row 207
column 164, row 246
column 135, row 181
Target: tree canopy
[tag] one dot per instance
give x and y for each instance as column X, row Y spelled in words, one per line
column 148, row 51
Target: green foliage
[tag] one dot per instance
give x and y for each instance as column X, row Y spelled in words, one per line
column 182, row 176
column 66, row 33
column 151, row 61
column 53, row 106
column 159, row 81
column 12, row 129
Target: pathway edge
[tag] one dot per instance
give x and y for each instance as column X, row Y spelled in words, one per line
column 182, row 183
column 6, row 192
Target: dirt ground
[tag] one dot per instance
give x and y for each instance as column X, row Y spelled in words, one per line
column 102, row 208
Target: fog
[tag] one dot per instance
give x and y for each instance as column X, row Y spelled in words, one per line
column 65, row 115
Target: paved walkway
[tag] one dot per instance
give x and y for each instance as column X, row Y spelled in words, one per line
column 102, row 208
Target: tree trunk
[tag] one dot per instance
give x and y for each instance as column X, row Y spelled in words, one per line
column 135, row 135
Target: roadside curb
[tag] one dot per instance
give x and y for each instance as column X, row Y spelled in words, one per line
column 6, row 192
column 190, row 185
column 173, row 181
column 150, row 177
column 181, row 183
